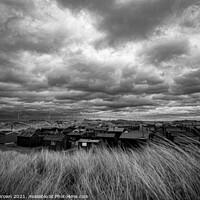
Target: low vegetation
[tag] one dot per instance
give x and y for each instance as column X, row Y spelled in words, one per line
column 159, row 171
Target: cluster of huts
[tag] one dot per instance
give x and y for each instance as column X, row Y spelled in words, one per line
column 180, row 134
column 82, row 137
column 87, row 136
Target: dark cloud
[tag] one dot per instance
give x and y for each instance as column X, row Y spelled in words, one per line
column 192, row 60
column 12, row 76
column 72, row 95
column 97, row 78
column 165, row 50
column 149, row 79
column 129, row 20
column 12, row 11
column 17, row 30
column 99, row 6
column 49, row 63
column 39, row 42
column 8, row 87
column 84, row 77
column 125, row 102
column 135, row 20
column 187, row 84
column 178, row 100
column 152, row 89
column 191, row 17
column 20, row 5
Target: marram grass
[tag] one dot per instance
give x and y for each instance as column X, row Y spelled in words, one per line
column 159, row 171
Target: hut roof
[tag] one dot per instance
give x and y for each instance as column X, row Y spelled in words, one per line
column 90, row 127
column 88, row 141
column 101, row 129
column 105, row 135
column 135, row 135
column 68, row 129
column 5, row 132
column 116, row 129
column 75, row 133
column 28, row 132
column 58, row 137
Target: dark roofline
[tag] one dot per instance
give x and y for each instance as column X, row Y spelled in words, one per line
column 106, row 135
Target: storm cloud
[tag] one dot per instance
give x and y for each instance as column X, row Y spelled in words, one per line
column 123, row 59
column 125, row 21
column 165, row 49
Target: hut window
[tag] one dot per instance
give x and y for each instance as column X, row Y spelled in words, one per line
column 84, row 144
column 53, row 143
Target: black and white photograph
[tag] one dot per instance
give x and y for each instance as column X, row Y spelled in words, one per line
column 100, row 99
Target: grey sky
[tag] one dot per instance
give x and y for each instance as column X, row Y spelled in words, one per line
column 120, row 58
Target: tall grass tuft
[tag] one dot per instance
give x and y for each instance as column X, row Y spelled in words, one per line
column 159, row 171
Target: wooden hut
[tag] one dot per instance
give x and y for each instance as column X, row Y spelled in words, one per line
column 88, row 143
column 134, row 138
column 74, row 137
column 30, row 138
column 100, row 130
column 7, row 137
column 109, row 139
column 56, row 142
column 129, row 127
column 117, row 131
column 68, row 130
column 48, row 130
column 90, row 128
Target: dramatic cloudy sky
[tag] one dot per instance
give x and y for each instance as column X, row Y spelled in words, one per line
column 134, row 59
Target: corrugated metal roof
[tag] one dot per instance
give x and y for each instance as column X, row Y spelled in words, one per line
column 135, row 135
column 94, row 141
column 83, row 140
column 75, row 134
column 4, row 132
column 115, row 129
column 127, row 125
column 13, row 132
column 27, row 133
column 48, row 132
column 58, row 137
column 90, row 127
column 105, row 135
column 88, row 140
column 101, row 129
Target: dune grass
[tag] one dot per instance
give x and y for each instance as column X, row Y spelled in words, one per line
column 159, row 171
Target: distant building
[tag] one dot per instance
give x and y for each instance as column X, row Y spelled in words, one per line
column 100, row 130
column 90, row 128
column 48, row 130
column 117, row 131
column 56, row 142
column 88, row 143
column 7, row 137
column 68, row 130
column 178, row 134
column 109, row 139
column 75, row 135
column 134, row 138
column 129, row 127
column 30, row 138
